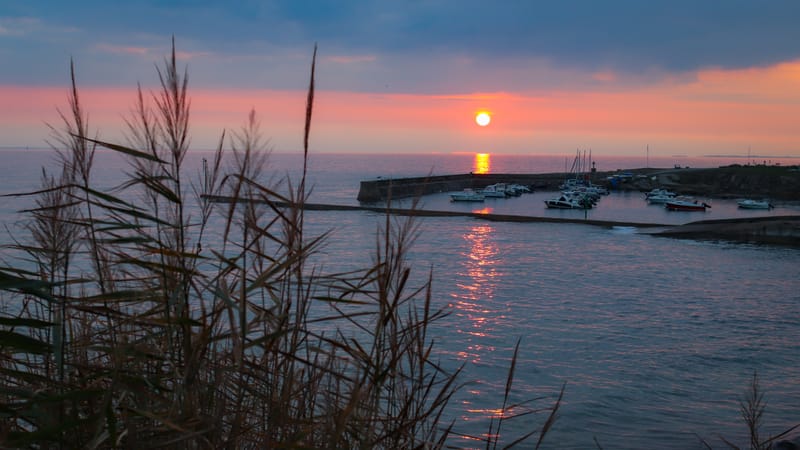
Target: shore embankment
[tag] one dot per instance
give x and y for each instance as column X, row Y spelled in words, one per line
column 775, row 230
column 438, row 213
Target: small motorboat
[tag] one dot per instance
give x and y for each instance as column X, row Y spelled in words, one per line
column 659, row 199
column 754, row 204
column 659, row 196
column 467, row 195
column 560, row 203
column 495, row 191
column 519, row 188
column 686, row 204
column 660, row 192
column 568, row 202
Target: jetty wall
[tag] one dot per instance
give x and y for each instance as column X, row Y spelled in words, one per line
column 772, row 182
column 384, row 188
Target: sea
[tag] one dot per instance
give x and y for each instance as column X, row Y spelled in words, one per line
column 654, row 340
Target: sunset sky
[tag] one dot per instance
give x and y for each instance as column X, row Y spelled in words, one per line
column 715, row 77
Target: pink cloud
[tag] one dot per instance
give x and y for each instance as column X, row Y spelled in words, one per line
column 120, row 49
column 716, row 110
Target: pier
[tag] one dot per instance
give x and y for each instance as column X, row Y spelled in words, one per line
column 386, row 188
column 775, row 182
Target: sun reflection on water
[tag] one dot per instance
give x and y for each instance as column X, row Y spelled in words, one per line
column 483, row 163
column 473, row 299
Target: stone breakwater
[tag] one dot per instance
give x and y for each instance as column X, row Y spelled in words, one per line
column 383, row 189
column 773, row 182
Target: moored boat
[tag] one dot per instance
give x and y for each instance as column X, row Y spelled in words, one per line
column 754, row 204
column 659, row 196
column 467, row 195
column 568, row 202
column 497, row 190
column 659, row 199
column 659, row 191
column 521, row 189
column 686, row 204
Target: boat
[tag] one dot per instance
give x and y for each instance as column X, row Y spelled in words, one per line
column 568, row 202
column 754, row 204
column 562, row 202
column 686, row 204
column 659, row 191
column 519, row 188
column 659, row 196
column 467, row 195
column 495, row 191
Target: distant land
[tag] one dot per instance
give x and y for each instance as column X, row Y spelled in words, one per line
column 750, row 156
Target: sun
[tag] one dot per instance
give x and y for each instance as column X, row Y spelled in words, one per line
column 483, row 118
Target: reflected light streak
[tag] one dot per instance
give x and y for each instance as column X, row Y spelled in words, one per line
column 496, row 413
column 482, row 164
column 478, row 289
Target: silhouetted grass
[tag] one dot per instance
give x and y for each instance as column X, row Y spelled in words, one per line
column 752, row 408
column 134, row 327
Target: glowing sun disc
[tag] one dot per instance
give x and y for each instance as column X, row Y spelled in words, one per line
column 483, row 118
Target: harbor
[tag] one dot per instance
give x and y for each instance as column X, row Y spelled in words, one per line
column 724, row 185
column 776, row 182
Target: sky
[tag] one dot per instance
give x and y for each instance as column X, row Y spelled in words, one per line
column 688, row 77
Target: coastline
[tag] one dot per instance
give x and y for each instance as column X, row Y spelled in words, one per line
column 780, row 230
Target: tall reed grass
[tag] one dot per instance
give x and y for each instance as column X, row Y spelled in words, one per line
column 130, row 323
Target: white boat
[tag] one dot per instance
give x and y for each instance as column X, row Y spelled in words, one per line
column 754, row 204
column 659, row 191
column 686, row 204
column 520, row 188
column 467, row 195
column 659, row 199
column 659, row 196
column 495, row 191
column 568, row 202
column 598, row 189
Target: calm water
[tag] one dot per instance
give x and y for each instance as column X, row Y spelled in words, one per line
column 656, row 339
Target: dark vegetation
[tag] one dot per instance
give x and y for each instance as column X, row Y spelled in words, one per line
column 131, row 322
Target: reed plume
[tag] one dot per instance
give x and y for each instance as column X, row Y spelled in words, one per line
column 150, row 315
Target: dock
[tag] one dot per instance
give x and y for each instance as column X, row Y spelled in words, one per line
column 774, row 182
column 383, row 189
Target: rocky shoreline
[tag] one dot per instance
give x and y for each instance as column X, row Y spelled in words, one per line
column 777, row 230
column 781, row 185
column 777, row 183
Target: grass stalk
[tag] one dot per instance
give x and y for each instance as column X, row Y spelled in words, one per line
column 157, row 329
